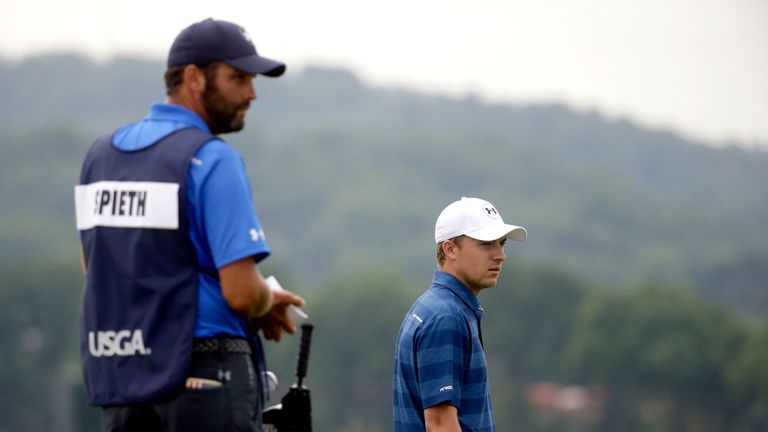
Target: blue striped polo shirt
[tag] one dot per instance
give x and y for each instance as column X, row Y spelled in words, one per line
column 439, row 358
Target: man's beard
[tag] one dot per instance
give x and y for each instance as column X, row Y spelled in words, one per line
column 222, row 113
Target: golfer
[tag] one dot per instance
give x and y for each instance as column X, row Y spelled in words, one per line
column 440, row 377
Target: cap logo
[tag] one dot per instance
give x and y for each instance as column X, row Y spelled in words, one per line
column 491, row 211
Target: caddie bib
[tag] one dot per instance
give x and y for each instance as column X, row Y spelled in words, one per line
column 141, row 282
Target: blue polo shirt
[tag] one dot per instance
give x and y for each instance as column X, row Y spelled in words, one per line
column 223, row 223
column 439, row 358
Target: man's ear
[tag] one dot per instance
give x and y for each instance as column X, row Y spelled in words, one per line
column 450, row 248
column 194, row 78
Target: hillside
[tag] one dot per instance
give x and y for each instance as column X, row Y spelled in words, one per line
column 350, row 177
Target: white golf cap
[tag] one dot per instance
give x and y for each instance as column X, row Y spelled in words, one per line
column 475, row 218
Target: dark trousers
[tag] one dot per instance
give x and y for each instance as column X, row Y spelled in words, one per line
column 233, row 406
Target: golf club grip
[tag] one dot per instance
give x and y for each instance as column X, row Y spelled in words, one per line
column 306, row 340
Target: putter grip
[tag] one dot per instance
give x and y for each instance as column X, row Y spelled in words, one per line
column 306, row 340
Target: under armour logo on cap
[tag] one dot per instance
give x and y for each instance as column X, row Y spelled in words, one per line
column 491, row 211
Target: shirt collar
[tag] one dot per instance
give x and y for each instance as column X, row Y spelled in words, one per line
column 159, row 111
column 451, row 282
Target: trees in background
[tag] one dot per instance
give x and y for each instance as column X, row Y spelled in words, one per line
column 656, row 357
column 345, row 177
column 39, row 336
column 662, row 354
column 329, row 154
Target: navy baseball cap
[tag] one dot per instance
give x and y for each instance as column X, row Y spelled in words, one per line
column 215, row 40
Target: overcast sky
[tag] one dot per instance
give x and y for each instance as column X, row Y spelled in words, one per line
column 697, row 67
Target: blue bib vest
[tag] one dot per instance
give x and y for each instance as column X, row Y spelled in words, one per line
column 140, row 295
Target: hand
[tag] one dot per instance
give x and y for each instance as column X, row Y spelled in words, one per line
column 276, row 320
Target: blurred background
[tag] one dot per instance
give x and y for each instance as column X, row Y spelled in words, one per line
column 629, row 138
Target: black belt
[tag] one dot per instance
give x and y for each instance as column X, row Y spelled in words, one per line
column 229, row 345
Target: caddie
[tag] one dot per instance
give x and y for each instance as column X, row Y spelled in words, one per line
column 171, row 245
